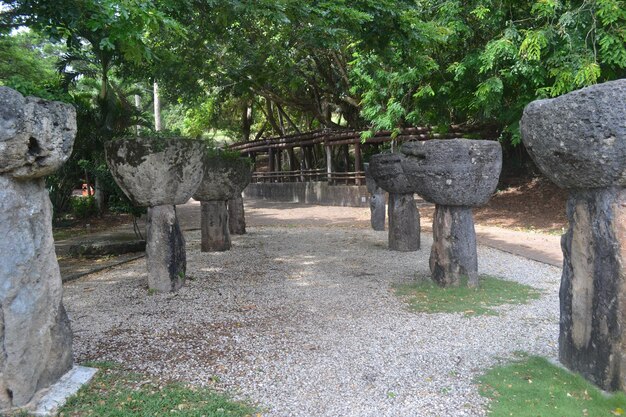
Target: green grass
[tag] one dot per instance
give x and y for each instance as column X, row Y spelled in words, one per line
column 427, row 297
column 534, row 387
column 116, row 393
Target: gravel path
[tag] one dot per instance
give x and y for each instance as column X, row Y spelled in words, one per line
column 303, row 322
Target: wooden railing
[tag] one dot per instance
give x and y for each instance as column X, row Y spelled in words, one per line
column 333, row 178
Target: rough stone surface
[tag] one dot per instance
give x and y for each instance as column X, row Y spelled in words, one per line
column 236, row 216
column 377, row 201
column 224, row 177
column 36, row 136
column 453, row 253
column 165, row 250
column 35, row 337
column 386, row 170
column 578, row 139
column 593, row 293
column 156, row 171
column 455, row 172
column 214, row 227
column 404, row 223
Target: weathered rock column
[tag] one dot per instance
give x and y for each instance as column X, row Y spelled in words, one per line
column 36, row 138
column 225, row 176
column 214, row 226
column 453, row 253
column 159, row 173
column 236, row 215
column 404, row 220
column 165, row 250
column 404, row 223
column 456, row 175
column 377, row 201
column 578, row 140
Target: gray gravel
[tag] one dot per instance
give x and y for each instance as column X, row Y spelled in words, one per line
column 303, row 322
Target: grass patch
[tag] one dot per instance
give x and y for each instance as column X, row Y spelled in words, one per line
column 116, row 393
column 428, row 297
column 534, row 387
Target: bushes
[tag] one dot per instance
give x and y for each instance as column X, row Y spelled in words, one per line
column 83, row 207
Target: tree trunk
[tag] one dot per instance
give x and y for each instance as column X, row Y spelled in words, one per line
column 246, row 121
column 157, row 108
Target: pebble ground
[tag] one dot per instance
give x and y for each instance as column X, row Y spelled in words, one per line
column 304, row 322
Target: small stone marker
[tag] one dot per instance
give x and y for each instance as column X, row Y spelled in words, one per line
column 36, row 138
column 159, row 173
column 377, row 201
column 456, row 175
column 578, row 140
column 224, row 178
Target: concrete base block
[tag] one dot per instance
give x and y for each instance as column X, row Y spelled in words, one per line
column 49, row 402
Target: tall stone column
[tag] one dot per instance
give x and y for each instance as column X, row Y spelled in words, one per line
column 377, row 201
column 225, row 177
column 236, row 215
column 36, row 138
column 578, row 140
column 456, row 175
column 404, row 221
column 159, row 173
column 214, row 230
column 166, row 257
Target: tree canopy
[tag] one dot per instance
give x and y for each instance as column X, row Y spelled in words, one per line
column 250, row 68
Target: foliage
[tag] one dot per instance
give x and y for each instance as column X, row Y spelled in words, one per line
column 28, row 65
column 427, row 297
column 115, row 393
column 535, row 387
column 83, row 207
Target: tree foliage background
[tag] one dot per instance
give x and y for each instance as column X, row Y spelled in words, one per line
column 246, row 68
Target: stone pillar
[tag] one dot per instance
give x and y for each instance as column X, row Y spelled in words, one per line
column 404, row 223
column 377, row 201
column 236, row 216
column 224, row 179
column 214, row 226
column 159, row 173
column 456, row 175
column 593, row 292
column 578, row 140
column 165, row 250
column 36, row 137
column 453, row 254
column 377, row 210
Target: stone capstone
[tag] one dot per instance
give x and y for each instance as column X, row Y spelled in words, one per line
column 35, row 335
column 165, row 250
column 224, row 177
column 386, row 170
column 156, row 171
column 578, row 140
column 453, row 255
column 36, row 136
column 455, row 172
